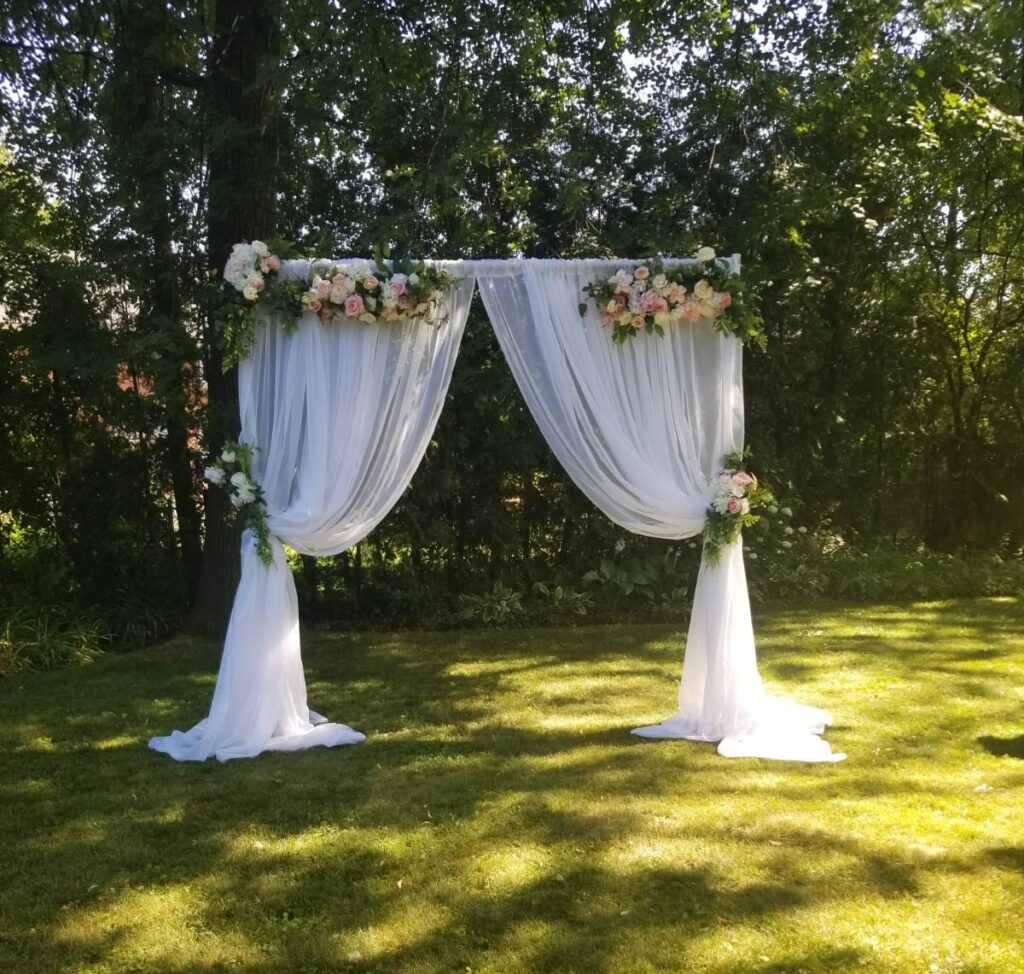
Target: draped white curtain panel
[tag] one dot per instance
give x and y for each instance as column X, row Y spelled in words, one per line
column 342, row 415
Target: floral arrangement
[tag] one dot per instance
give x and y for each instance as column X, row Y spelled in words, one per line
column 736, row 495
column 652, row 297
column 381, row 290
column 232, row 471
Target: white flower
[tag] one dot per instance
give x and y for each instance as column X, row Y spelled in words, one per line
column 236, row 499
column 786, row 544
column 752, row 555
column 250, row 293
column 787, row 530
column 705, row 254
column 350, row 285
column 260, row 249
column 228, row 456
column 240, row 480
column 787, row 512
column 214, row 474
column 239, row 266
column 802, row 530
column 773, row 509
column 744, row 506
column 703, row 291
column 414, row 279
column 659, row 281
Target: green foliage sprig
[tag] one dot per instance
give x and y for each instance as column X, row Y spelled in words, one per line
column 232, row 471
column 736, row 497
column 653, row 296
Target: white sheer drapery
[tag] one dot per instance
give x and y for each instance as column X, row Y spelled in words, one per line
column 341, row 415
column 641, row 429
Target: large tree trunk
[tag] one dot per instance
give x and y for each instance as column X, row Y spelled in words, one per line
column 242, row 206
column 141, row 138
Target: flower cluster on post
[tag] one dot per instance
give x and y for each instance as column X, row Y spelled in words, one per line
column 375, row 292
column 378, row 291
column 249, row 266
column 232, row 471
column 735, row 497
column 652, row 297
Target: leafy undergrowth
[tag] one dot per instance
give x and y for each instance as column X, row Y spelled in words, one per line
column 500, row 818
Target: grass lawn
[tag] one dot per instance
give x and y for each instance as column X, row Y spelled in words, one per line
column 500, row 818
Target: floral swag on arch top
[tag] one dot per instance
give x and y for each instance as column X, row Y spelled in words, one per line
column 632, row 371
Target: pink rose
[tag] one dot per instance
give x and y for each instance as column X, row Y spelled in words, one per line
column 312, row 305
column 398, row 287
column 607, row 319
column 638, row 321
column 734, row 505
column 323, row 288
column 741, row 479
column 264, row 264
column 724, row 299
column 690, row 311
column 353, row 306
column 641, row 273
column 274, row 262
column 370, row 282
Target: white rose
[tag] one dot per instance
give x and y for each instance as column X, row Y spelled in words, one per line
column 228, row 456
column 250, row 293
column 662, row 318
column 239, row 266
column 338, row 294
column 214, row 474
column 240, row 480
column 705, row 254
column 414, row 279
column 703, row 290
column 659, row 280
column 350, row 285
column 247, row 495
column 260, row 249
column 236, row 499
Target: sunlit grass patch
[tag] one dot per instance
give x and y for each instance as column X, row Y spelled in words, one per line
column 500, row 818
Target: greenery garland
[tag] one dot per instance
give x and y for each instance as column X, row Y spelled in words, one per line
column 232, row 471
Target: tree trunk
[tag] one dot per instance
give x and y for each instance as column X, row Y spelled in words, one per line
column 243, row 121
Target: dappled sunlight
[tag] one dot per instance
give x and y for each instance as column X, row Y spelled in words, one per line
column 501, row 817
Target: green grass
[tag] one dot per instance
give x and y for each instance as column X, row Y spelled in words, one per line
column 501, row 819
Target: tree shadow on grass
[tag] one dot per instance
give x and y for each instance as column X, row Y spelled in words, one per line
column 1004, row 747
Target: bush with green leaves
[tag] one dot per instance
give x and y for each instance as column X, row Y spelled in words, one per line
column 33, row 639
column 500, row 606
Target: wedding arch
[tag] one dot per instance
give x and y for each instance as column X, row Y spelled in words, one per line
column 344, row 368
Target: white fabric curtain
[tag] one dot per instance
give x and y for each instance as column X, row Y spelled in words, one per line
column 641, row 428
column 341, row 415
